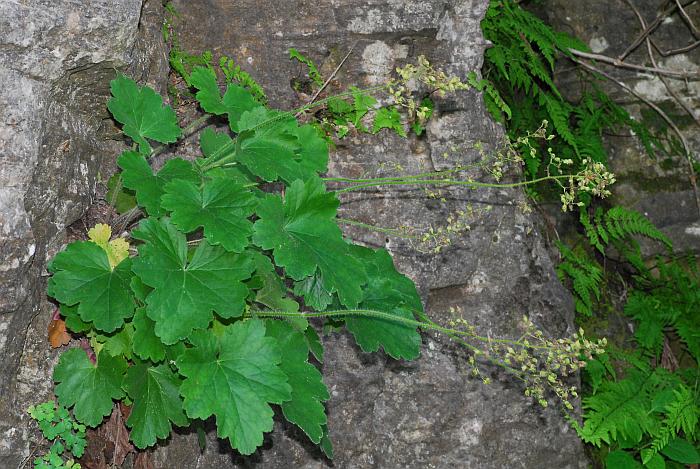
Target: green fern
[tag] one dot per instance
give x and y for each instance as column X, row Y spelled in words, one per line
column 494, row 102
column 668, row 300
column 313, row 72
column 521, row 66
column 619, row 224
column 681, row 415
column 622, row 222
column 643, row 413
column 650, row 414
column 234, row 74
column 586, row 276
column 621, row 409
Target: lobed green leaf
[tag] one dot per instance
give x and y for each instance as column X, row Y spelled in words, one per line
column 140, row 110
column 305, row 408
column 220, row 206
column 89, row 388
column 187, row 291
column 388, row 291
column 155, row 391
column 242, row 375
column 82, row 275
column 302, row 233
column 149, row 187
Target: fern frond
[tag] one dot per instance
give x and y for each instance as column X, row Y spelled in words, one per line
column 592, row 233
column 622, row 222
column 688, row 328
column 619, row 411
column 650, row 329
column 599, row 226
column 586, row 276
column 559, row 113
column 682, row 414
column 492, row 98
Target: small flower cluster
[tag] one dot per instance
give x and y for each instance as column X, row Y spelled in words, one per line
column 426, row 74
column 500, row 161
column 434, row 239
column 543, row 364
column 546, row 364
column 593, row 179
column 423, row 74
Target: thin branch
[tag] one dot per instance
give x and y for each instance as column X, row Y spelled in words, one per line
column 658, row 110
column 188, row 131
column 671, row 91
column 650, row 53
column 627, row 88
column 680, row 50
column 688, row 21
column 650, row 40
column 649, row 29
column 667, row 10
column 619, row 63
column 337, row 69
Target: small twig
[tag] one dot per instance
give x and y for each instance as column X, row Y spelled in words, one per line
column 650, row 53
column 688, row 21
column 188, row 131
column 680, row 50
column 643, row 23
column 115, row 439
column 649, row 29
column 619, row 63
column 671, row 91
column 668, row 358
column 325, row 84
column 658, row 110
column 627, row 88
column 29, row 456
column 125, row 219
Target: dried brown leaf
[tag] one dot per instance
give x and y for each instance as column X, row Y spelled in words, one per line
column 58, row 335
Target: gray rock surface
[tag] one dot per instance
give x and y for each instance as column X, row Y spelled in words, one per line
column 659, row 187
column 56, row 60
column 385, row 413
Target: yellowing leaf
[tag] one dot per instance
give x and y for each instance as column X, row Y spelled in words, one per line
column 100, row 234
column 117, row 250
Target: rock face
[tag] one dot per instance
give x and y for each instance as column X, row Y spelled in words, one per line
column 659, row 187
column 384, row 413
column 56, row 60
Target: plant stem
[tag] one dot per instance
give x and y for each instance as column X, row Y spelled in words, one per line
column 186, row 132
column 453, row 334
column 450, row 182
column 394, row 318
column 400, row 178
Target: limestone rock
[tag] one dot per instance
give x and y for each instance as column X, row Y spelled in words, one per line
column 385, row 413
column 56, row 60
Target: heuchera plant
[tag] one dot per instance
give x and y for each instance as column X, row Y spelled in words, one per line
column 202, row 316
column 207, row 315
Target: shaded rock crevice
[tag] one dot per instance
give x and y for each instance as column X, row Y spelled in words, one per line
column 56, row 61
